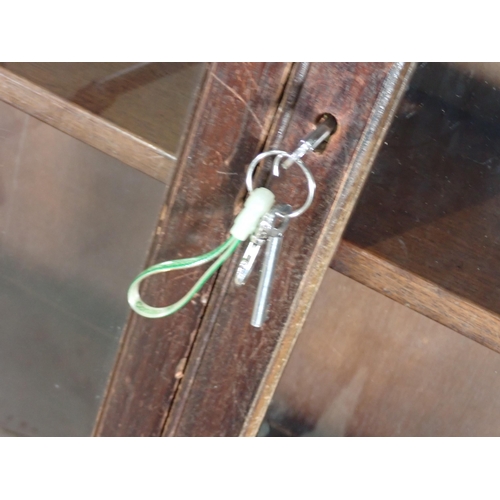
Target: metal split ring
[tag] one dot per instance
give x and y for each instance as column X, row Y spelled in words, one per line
column 311, row 184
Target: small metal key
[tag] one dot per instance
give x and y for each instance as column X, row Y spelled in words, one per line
column 257, row 239
column 273, row 247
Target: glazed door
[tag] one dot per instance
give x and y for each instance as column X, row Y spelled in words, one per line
column 87, row 154
column 403, row 337
column 111, row 168
column 205, row 371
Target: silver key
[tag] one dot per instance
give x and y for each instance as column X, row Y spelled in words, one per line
column 273, row 247
column 257, row 239
column 247, row 262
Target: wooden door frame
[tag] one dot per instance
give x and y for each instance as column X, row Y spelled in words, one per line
column 205, row 370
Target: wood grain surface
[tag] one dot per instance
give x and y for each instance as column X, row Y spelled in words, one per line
column 423, row 296
column 230, row 125
column 233, row 369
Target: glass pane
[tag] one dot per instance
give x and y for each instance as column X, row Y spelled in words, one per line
column 432, row 201
column 365, row 365
column 139, row 97
column 75, row 228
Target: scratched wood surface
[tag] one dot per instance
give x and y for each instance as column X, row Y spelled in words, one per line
column 233, row 369
column 432, row 202
column 365, row 365
column 230, row 125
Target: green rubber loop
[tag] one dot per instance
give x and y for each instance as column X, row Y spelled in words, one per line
column 223, row 251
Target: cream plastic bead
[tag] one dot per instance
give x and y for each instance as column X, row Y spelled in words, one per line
column 257, row 205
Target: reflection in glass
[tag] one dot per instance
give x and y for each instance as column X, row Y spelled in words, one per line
column 432, row 201
column 75, row 228
column 152, row 100
column 365, row 365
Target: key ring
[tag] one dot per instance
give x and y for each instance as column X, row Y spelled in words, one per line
column 311, row 184
column 257, row 207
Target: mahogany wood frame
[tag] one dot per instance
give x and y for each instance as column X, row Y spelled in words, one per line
column 205, row 371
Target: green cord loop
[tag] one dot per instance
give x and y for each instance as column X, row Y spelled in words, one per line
column 223, row 251
column 256, row 206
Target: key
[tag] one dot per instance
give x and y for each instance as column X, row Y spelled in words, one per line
column 273, row 247
column 312, row 142
column 247, row 262
column 252, row 250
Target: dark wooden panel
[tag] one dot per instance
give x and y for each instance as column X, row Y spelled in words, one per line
column 230, row 126
column 234, row 368
column 365, row 365
column 432, row 203
column 87, row 127
column 425, row 297
column 150, row 100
